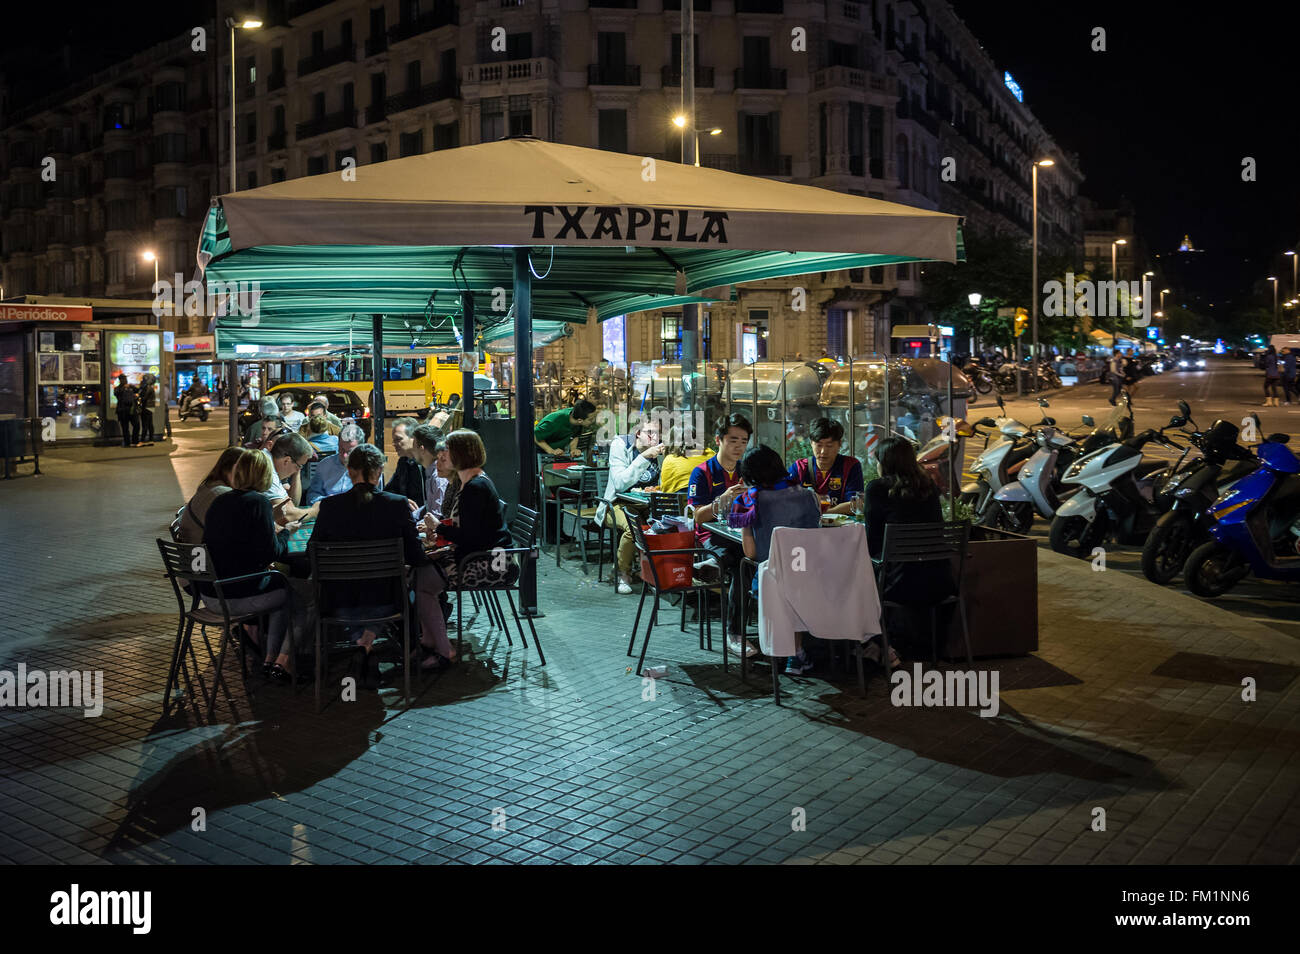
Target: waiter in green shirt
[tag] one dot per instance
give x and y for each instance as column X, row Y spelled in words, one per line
column 557, row 433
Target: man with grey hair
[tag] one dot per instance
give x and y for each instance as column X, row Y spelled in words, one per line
column 331, row 474
column 289, row 455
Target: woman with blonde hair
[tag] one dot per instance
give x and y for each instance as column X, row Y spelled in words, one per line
column 243, row 540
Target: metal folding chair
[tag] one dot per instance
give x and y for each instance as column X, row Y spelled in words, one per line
column 523, row 532
column 582, row 502
column 352, row 562
column 189, row 566
column 927, row 543
column 653, row 585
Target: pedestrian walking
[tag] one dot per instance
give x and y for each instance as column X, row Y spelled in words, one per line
column 167, row 409
column 1272, row 376
column 128, row 411
column 1115, row 369
column 1289, row 374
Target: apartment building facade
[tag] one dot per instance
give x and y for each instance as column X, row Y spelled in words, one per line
column 855, row 97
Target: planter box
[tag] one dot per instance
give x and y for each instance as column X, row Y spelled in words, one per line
column 1000, row 588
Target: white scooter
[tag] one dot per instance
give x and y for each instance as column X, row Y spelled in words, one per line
column 195, row 406
column 996, row 466
column 1121, row 494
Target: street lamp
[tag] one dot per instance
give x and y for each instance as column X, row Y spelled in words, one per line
column 242, row 23
column 1044, row 163
column 680, row 121
column 150, row 256
column 1274, row 281
column 974, row 298
column 1114, row 268
column 1295, row 260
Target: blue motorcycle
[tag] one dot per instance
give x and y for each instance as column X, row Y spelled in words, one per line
column 1255, row 527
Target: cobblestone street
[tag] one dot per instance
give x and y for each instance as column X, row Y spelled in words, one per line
column 1133, row 704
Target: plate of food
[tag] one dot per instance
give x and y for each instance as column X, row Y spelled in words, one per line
column 836, row 519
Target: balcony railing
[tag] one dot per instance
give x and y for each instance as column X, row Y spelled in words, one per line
column 599, row 74
column 446, row 15
column 376, row 113
column 535, row 68
column 277, row 140
column 430, row 93
column 748, row 78
column 331, row 57
column 376, row 44
column 328, row 123
column 673, row 77
column 760, row 6
column 840, row 76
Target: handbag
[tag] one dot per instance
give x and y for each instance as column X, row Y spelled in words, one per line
column 673, row 570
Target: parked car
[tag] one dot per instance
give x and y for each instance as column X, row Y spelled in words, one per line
column 346, row 405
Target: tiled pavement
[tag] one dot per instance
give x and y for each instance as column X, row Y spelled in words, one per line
column 1120, row 709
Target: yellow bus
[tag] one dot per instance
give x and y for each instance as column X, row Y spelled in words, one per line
column 410, row 383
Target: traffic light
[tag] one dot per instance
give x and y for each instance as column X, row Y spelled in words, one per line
column 1022, row 321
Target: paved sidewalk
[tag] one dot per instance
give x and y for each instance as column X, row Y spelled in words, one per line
column 1133, row 705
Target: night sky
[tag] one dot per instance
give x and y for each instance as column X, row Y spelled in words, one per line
column 1165, row 116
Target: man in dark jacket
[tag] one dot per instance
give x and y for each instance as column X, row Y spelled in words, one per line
column 409, row 477
column 128, row 411
column 364, row 513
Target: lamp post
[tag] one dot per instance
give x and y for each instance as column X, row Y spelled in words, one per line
column 1273, row 279
column 1295, row 260
column 1034, row 297
column 245, row 23
column 974, row 298
column 680, row 121
column 149, row 255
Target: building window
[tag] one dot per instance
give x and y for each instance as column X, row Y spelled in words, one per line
column 250, row 128
column 446, row 135
column 521, row 116
column 342, row 154
column 252, row 181
column 171, row 203
column 277, row 174
column 114, row 260
column 876, row 142
column 902, row 160
column 315, row 165
column 412, row 143
column 412, row 76
column 492, row 120
column 837, row 332
column 379, row 152
column 612, row 129
column 671, row 335
column 169, row 147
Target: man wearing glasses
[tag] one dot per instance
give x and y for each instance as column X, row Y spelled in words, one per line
column 289, row 455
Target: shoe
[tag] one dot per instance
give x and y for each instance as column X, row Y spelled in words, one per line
column 798, row 665
column 708, row 572
column 267, row 668
column 624, row 587
column 733, row 644
column 280, row 676
column 871, row 651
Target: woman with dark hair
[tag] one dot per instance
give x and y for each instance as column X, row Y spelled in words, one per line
column 213, row 486
column 904, row 493
column 772, row 500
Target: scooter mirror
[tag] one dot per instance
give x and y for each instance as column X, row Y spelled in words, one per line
column 1184, row 410
column 1049, row 420
column 1279, row 438
column 1087, row 419
column 1042, row 402
column 986, row 422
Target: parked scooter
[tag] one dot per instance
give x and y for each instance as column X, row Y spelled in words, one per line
column 195, row 407
column 980, row 377
column 1037, row 488
column 1120, row 493
column 1223, row 462
column 1255, row 529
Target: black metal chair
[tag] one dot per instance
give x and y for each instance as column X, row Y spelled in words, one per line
column 654, row 585
column 927, row 543
column 546, row 495
column 523, row 532
column 188, row 566
column 352, row 562
column 666, row 505
column 175, row 528
column 581, row 503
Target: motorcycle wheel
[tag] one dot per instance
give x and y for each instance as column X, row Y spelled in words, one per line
column 983, row 385
column 1014, row 518
column 1212, row 569
column 203, row 415
column 1076, row 536
column 1166, row 550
